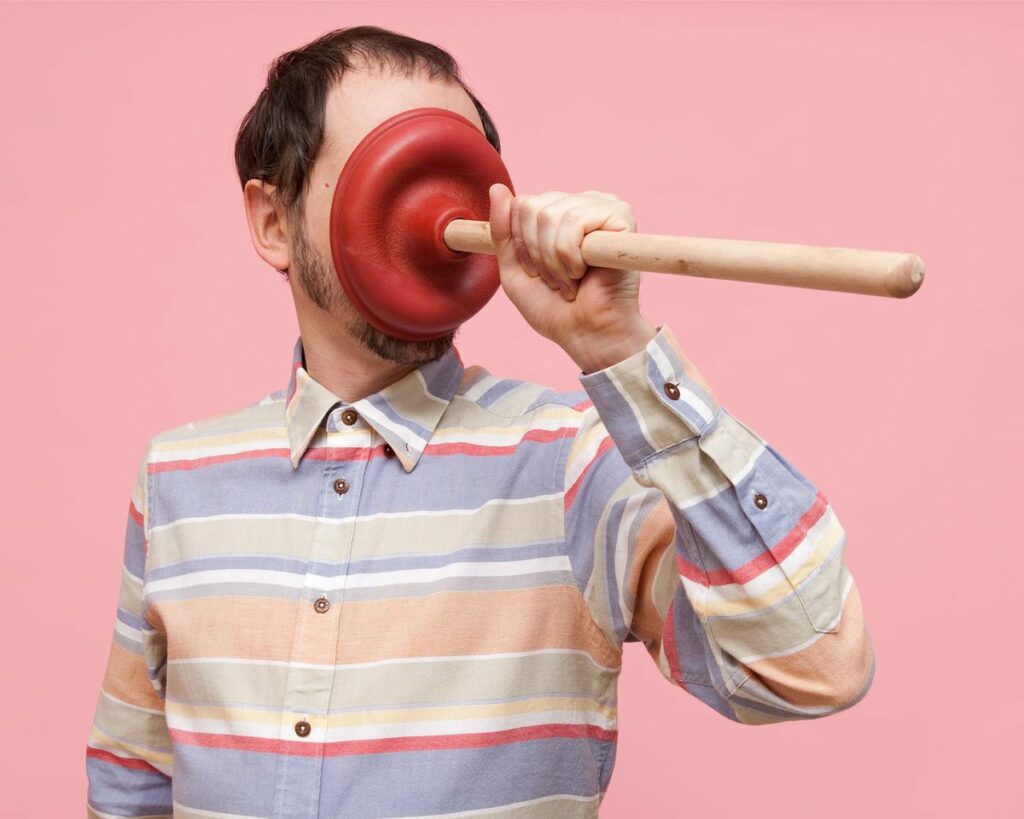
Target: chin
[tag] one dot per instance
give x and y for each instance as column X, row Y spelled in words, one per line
column 398, row 350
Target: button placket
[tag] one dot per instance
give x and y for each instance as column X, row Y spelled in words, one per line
column 342, row 549
column 311, row 675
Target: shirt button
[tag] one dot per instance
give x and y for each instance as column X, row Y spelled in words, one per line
column 341, row 486
column 672, row 391
column 302, row 728
column 760, row 501
column 321, row 604
column 388, row 451
column 349, row 416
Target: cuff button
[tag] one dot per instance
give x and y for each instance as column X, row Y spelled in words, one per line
column 760, row 501
column 672, row 390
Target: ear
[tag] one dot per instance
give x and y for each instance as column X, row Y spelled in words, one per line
column 268, row 223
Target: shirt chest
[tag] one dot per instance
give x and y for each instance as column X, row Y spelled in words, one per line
column 351, row 582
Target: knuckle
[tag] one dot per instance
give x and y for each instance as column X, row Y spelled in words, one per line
column 546, row 218
column 566, row 252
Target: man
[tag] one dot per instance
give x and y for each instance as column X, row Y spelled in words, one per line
column 400, row 586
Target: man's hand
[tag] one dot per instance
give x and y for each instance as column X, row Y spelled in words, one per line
column 593, row 313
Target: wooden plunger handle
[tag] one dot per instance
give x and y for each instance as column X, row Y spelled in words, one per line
column 869, row 272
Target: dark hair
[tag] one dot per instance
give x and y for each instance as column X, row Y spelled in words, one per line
column 279, row 138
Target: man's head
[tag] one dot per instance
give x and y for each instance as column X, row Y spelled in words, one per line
column 320, row 100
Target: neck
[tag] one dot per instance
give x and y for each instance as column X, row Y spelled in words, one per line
column 338, row 361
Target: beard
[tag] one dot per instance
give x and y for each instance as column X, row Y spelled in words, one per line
column 319, row 282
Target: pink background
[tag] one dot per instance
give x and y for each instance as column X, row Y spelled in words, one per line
column 133, row 301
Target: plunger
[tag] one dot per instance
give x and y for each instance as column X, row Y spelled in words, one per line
column 411, row 241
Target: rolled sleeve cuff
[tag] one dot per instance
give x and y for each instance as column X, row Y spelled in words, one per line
column 652, row 400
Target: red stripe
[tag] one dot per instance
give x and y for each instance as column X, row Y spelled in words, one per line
column 461, row 448
column 763, row 561
column 668, row 644
column 124, row 762
column 377, row 746
column 134, row 513
column 585, row 404
column 363, row 453
column 799, row 532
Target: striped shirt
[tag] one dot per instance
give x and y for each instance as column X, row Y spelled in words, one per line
column 415, row 604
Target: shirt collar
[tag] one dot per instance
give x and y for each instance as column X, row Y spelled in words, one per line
column 405, row 413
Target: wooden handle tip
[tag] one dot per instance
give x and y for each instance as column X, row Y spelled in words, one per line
column 906, row 277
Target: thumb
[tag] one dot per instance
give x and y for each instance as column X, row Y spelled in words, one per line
column 501, row 221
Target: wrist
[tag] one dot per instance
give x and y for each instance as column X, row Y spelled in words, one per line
column 601, row 351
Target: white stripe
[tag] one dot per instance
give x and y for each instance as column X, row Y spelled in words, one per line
column 669, row 374
column 122, row 704
column 133, row 634
column 213, row 446
column 480, row 387
column 637, row 417
column 451, row 658
column 426, row 388
column 478, row 436
column 414, row 513
column 583, row 450
column 504, row 568
column 504, row 808
column 825, row 534
column 212, row 814
column 379, row 419
column 624, row 549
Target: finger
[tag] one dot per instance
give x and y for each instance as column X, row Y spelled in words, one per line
column 518, row 242
column 501, row 221
column 529, row 212
column 501, row 207
column 548, row 221
column 571, row 230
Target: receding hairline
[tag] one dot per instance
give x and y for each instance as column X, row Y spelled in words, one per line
column 378, row 67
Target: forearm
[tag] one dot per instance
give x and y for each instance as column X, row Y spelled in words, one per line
column 761, row 595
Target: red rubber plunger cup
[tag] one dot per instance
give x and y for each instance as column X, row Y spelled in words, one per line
column 402, row 185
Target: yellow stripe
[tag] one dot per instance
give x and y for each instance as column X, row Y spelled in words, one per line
column 398, row 715
column 97, row 738
column 746, row 605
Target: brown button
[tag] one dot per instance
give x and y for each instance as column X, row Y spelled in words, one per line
column 341, row 486
column 760, row 501
column 388, row 451
column 349, row 416
column 321, row 604
column 672, row 391
column 302, row 728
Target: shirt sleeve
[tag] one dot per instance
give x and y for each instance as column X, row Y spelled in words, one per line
column 690, row 533
column 128, row 754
